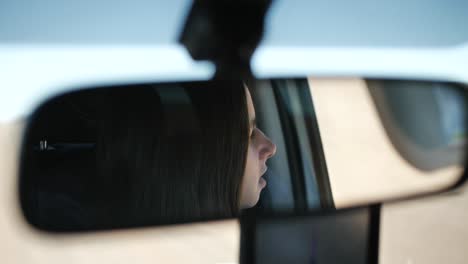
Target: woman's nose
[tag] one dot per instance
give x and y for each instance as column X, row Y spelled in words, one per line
column 272, row 149
column 269, row 148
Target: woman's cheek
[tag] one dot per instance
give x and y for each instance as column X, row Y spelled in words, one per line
column 252, row 149
column 251, row 161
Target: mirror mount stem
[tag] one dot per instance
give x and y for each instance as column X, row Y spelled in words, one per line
column 226, row 33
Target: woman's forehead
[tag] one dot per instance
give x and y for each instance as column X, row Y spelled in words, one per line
column 250, row 105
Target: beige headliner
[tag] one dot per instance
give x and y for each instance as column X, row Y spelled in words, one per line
column 363, row 165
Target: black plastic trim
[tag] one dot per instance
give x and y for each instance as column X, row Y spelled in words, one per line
column 374, row 234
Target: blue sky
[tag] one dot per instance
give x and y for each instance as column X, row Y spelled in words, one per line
column 290, row 22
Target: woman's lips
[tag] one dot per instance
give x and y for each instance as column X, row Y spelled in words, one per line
column 262, row 182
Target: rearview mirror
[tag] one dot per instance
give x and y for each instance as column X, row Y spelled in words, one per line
column 162, row 153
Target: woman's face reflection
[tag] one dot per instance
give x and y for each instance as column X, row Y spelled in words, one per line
column 259, row 151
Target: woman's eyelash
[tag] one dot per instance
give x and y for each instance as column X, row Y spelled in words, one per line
column 253, row 132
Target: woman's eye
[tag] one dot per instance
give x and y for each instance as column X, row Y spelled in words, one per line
column 254, row 130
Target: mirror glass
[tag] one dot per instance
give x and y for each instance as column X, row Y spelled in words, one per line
column 161, row 153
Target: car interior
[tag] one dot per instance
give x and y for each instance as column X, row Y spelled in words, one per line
column 324, row 202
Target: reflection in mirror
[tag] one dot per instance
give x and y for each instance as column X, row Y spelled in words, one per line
column 151, row 154
column 147, row 154
column 385, row 139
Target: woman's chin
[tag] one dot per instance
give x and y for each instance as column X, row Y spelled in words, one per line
column 262, row 183
column 249, row 205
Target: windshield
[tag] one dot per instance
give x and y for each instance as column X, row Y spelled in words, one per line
column 303, row 23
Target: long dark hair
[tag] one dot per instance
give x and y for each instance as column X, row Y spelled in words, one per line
column 172, row 154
